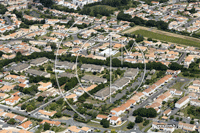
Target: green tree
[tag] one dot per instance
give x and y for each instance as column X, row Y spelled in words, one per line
column 11, row 121
column 49, row 68
column 130, row 125
column 171, row 117
column 23, row 107
column 191, row 122
column 138, row 119
column 46, row 126
column 40, row 98
column 105, row 123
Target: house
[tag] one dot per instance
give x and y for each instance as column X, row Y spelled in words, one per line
column 39, row 61
column 103, row 94
column 52, row 123
column 167, row 112
column 74, row 129
column 3, row 95
column 181, row 102
column 44, row 86
column 120, row 83
column 186, row 126
column 92, row 68
column 93, row 79
column 20, row 118
column 118, row 111
column 12, row 100
column 35, row 73
column 192, row 88
column 26, row 125
column 114, row 120
column 80, row 91
column 196, row 83
column 131, row 73
column 21, row 67
column 72, row 96
column 65, row 65
column 162, row 127
column 46, row 113
column 188, row 61
column 100, row 117
column 195, row 102
column 6, row 88
column 173, row 72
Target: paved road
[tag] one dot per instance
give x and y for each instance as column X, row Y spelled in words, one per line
column 8, row 20
column 46, row 104
column 181, row 58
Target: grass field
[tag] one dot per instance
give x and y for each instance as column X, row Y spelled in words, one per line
column 167, row 38
column 178, row 85
column 110, row 8
column 178, row 131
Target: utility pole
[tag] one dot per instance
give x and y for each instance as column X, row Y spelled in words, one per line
column 110, row 66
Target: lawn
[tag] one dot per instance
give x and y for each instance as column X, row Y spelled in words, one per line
column 105, row 6
column 117, row 54
column 141, row 125
column 178, row 85
column 178, row 131
column 96, row 125
column 167, row 38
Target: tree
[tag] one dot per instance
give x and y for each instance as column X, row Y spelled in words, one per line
column 11, row 121
column 150, row 112
column 171, row 117
column 130, row 125
column 138, row 119
column 177, row 118
column 3, row 9
column 49, row 68
column 132, row 24
column 46, row 3
column 29, row 108
column 192, row 122
column 23, row 107
column 29, row 6
column 46, row 126
column 75, row 115
column 40, row 98
column 58, row 114
column 105, row 123
column 60, row 101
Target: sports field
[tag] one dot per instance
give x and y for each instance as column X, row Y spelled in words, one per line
column 164, row 36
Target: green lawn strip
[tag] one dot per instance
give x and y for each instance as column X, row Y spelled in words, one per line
column 167, row 38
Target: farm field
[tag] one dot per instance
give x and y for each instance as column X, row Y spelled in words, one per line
column 164, row 36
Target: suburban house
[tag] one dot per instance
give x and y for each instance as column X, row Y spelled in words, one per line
column 93, row 79
column 100, row 117
column 46, row 113
column 186, row 126
column 103, row 94
column 92, row 68
column 66, row 65
column 120, row 83
column 35, row 73
column 26, row 125
column 181, row 102
column 52, row 123
column 114, row 120
column 39, row 61
column 131, row 73
column 44, row 86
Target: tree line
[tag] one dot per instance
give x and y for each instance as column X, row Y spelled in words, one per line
column 139, row 21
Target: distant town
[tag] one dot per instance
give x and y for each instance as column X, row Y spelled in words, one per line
column 108, row 66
